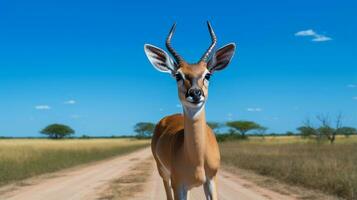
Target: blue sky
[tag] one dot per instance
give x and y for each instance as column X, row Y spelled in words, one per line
column 82, row 62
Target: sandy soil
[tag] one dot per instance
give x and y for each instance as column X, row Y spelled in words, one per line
column 80, row 183
column 87, row 182
column 230, row 187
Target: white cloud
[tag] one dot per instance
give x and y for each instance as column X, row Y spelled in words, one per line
column 71, row 101
column 354, row 98
column 308, row 32
column 352, row 86
column 42, row 107
column 321, row 38
column 315, row 36
column 254, row 109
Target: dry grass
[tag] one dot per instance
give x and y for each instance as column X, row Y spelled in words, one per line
column 271, row 183
column 132, row 183
column 328, row 168
column 297, row 139
column 23, row 158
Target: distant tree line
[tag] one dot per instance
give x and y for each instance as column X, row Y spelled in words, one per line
column 236, row 128
column 325, row 129
column 239, row 128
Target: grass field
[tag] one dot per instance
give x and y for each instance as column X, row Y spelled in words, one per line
column 329, row 168
column 23, row 158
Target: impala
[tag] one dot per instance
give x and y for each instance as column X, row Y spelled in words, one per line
column 184, row 147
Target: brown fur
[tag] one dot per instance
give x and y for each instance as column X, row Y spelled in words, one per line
column 184, row 147
column 169, row 152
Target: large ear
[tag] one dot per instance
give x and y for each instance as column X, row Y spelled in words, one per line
column 160, row 59
column 221, row 58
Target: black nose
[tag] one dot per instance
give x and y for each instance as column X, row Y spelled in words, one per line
column 195, row 93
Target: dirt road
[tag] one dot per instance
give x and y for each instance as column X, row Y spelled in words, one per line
column 230, row 187
column 86, row 183
column 82, row 183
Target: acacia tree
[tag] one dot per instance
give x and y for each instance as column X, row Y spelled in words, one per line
column 144, row 129
column 57, row 131
column 215, row 126
column 326, row 129
column 347, row 131
column 261, row 130
column 242, row 127
column 307, row 130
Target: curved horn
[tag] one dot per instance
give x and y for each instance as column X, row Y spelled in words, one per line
column 206, row 56
column 169, row 47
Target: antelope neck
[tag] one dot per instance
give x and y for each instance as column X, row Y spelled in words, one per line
column 195, row 135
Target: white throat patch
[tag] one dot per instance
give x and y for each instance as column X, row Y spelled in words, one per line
column 193, row 111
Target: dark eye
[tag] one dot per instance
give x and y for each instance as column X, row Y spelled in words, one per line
column 178, row 77
column 207, row 76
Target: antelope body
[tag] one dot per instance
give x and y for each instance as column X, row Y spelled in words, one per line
column 184, row 147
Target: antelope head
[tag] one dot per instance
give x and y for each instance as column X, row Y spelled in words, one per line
column 192, row 79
